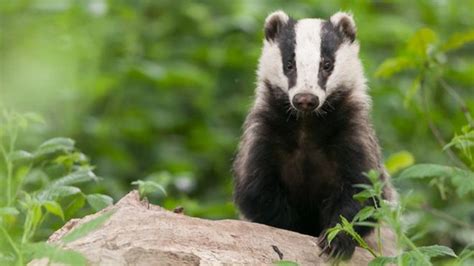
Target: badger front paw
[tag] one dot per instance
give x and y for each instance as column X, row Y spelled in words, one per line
column 341, row 247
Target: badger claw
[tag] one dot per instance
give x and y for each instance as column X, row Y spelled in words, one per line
column 341, row 248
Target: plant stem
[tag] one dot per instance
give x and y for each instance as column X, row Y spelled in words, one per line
column 364, row 244
column 12, row 244
column 379, row 240
column 9, row 167
column 360, row 241
column 27, row 227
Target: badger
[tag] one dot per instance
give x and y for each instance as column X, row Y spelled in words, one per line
column 308, row 138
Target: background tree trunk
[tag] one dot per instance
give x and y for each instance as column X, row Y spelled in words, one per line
column 139, row 233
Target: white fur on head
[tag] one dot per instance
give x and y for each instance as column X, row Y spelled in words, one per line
column 308, row 55
column 348, row 72
column 270, row 64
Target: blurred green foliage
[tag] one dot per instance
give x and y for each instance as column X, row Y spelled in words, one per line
column 158, row 91
column 39, row 192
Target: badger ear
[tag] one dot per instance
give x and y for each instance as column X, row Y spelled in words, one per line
column 344, row 23
column 274, row 24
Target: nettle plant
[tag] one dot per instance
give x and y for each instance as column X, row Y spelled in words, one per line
column 40, row 190
column 389, row 215
column 426, row 56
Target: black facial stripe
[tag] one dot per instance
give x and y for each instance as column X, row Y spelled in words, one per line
column 286, row 43
column 331, row 39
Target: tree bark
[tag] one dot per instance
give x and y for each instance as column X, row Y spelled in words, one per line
column 139, row 233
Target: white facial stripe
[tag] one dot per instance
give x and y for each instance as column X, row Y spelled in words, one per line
column 348, row 73
column 308, row 43
column 271, row 67
column 307, row 50
column 347, row 69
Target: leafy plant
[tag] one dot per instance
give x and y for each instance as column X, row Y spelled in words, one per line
column 148, row 187
column 37, row 186
column 390, row 215
column 426, row 56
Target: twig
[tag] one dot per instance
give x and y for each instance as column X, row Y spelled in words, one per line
column 437, row 134
column 447, row 217
column 277, row 250
column 464, row 109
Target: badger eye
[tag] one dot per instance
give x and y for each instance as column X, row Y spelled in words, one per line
column 327, row 65
column 289, row 65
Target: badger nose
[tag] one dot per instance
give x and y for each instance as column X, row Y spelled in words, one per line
column 305, row 101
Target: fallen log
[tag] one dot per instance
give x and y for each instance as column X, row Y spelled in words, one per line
column 139, row 233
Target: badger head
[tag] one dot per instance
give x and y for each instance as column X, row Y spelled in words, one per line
column 309, row 60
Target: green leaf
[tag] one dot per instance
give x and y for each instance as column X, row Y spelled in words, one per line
column 381, row 261
column 421, row 41
column 392, row 66
column 21, row 156
column 437, row 250
column 79, row 176
column 399, row 161
column 373, row 176
column 77, row 202
column 5, row 211
column 87, row 227
column 21, row 172
column 69, row 159
column 364, row 195
column 415, row 87
column 99, row 201
column 463, row 180
column 457, row 40
column 35, row 212
column 54, row 208
column 463, row 185
column 332, row 232
column 434, row 170
column 55, row 145
column 54, row 254
column 148, row 187
column 345, row 222
column 365, row 213
column 415, row 259
column 363, row 186
column 60, row 192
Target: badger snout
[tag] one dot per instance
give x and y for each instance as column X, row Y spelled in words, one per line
column 305, row 102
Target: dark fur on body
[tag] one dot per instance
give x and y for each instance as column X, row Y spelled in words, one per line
column 297, row 171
